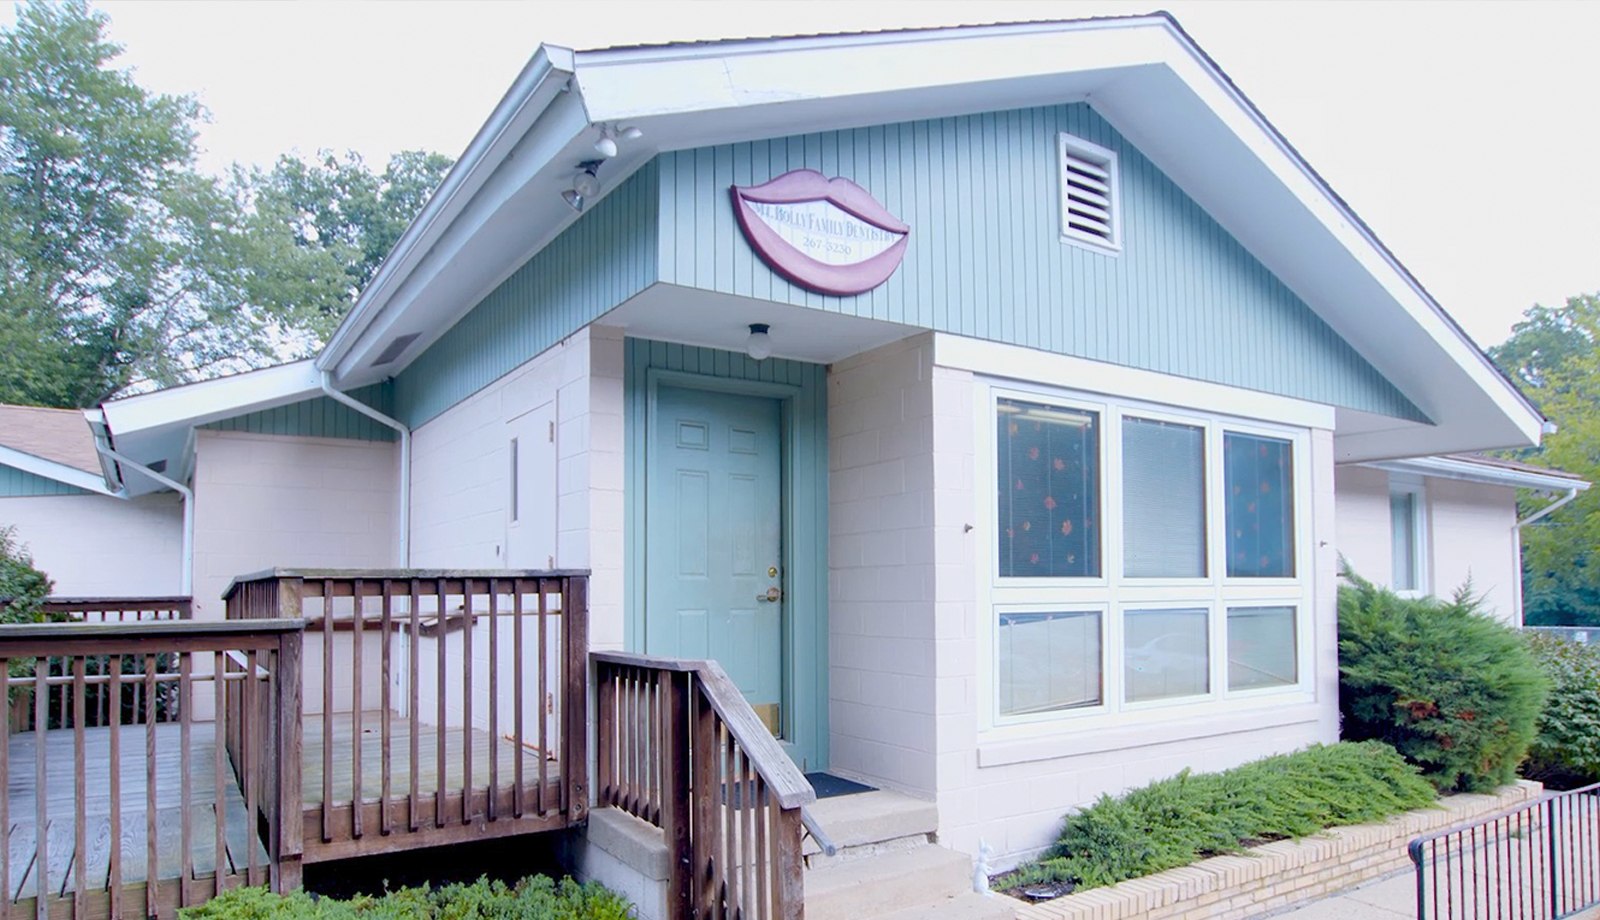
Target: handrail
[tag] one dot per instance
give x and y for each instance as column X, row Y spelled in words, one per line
column 789, row 786
column 47, row 633
column 814, row 828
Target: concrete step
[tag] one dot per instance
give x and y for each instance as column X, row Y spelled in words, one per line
column 965, row 906
column 873, row 817
column 859, row 888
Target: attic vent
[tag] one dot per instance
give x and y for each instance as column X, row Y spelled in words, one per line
column 1091, row 203
column 394, row 348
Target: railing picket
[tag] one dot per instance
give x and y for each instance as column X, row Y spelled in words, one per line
column 185, row 775
column 219, row 801
column 491, row 802
column 41, row 840
column 731, row 791
column 517, row 707
column 80, row 786
column 466, row 699
column 414, row 812
column 356, row 656
column 385, row 819
column 327, row 711
column 574, row 730
column 705, row 804
column 114, row 784
column 248, row 745
column 441, row 732
column 152, row 851
column 5, row 800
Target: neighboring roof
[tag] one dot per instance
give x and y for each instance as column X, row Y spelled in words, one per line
column 57, row 435
column 1487, row 470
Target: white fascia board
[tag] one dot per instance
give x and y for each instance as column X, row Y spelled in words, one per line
column 1467, row 471
column 210, row 400
column 543, row 79
column 49, row 469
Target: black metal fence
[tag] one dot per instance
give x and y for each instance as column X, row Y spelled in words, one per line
column 1538, row 861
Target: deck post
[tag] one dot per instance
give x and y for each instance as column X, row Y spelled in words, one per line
column 575, row 727
column 289, row 826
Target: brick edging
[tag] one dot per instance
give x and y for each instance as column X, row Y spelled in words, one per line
column 1276, row 875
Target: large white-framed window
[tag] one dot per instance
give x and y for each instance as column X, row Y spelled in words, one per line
column 1185, row 586
column 1408, row 543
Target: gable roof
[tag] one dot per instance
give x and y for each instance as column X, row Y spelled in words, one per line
column 53, row 443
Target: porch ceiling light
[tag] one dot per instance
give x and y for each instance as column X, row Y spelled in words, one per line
column 759, row 344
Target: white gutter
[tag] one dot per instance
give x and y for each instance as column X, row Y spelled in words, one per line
column 326, row 381
column 551, row 66
column 1572, row 493
column 186, row 562
column 1466, row 471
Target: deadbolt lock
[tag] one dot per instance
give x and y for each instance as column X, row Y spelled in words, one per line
column 772, row 571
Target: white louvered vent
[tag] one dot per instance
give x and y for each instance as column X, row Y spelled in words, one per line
column 1090, row 201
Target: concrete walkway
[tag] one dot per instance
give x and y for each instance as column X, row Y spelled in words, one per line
column 1386, row 899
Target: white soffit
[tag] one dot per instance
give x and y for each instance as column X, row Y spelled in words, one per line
column 688, row 316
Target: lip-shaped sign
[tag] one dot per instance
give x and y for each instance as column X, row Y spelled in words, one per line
column 826, row 235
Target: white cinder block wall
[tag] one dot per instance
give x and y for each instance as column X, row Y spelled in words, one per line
column 881, row 713
column 904, row 621
column 99, row 546
column 264, row 501
column 1468, row 532
column 460, row 472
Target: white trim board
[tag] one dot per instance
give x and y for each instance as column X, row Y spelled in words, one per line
column 59, row 472
column 1014, row 362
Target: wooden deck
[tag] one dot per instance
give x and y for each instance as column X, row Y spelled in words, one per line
column 59, row 789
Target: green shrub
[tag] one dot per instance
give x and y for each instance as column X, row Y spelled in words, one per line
column 22, row 586
column 1566, row 751
column 1174, row 822
column 535, row 898
column 1452, row 689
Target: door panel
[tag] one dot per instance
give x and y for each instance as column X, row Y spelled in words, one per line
column 531, row 498
column 713, row 536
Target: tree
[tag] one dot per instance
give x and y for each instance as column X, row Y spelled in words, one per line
column 1554, row 355
column 123, row 267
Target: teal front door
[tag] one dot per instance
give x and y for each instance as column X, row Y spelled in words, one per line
column 714, row 525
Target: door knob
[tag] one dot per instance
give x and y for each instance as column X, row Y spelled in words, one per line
column 772, row 596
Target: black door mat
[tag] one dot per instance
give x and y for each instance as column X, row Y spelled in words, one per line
column 828, row 785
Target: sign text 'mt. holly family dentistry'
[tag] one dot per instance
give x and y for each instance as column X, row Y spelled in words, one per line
column 826, row 235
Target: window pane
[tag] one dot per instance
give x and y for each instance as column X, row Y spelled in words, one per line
column 1403, row 518
column 1167, row 654
column 1259, row 474
column 1261, row 649
column 1163, row 499
column 1048, row 661
column 1049, row 491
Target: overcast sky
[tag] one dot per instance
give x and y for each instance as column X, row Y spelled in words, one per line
column 1464, row 134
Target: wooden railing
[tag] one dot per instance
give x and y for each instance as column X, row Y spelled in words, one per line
column 139, row 812
column 118, row 609
column 446, row 704
column 678, row 746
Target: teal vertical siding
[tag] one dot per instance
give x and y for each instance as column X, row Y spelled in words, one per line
column 319, row 418
column 806, row 501
column 15, row 483
column 594, row 265
column 986, row 259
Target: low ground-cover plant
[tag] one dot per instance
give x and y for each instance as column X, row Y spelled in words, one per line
column 1174, row 822
column 534, row 898
column 1450, row 687
column 1566, row 751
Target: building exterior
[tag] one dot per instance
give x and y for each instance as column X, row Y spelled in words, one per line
column 993, row 403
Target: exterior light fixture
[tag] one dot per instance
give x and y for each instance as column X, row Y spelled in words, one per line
column 584, row 185
column 606, row 146
column 759, row 344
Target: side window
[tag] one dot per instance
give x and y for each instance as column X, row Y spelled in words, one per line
column 1406, row 535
